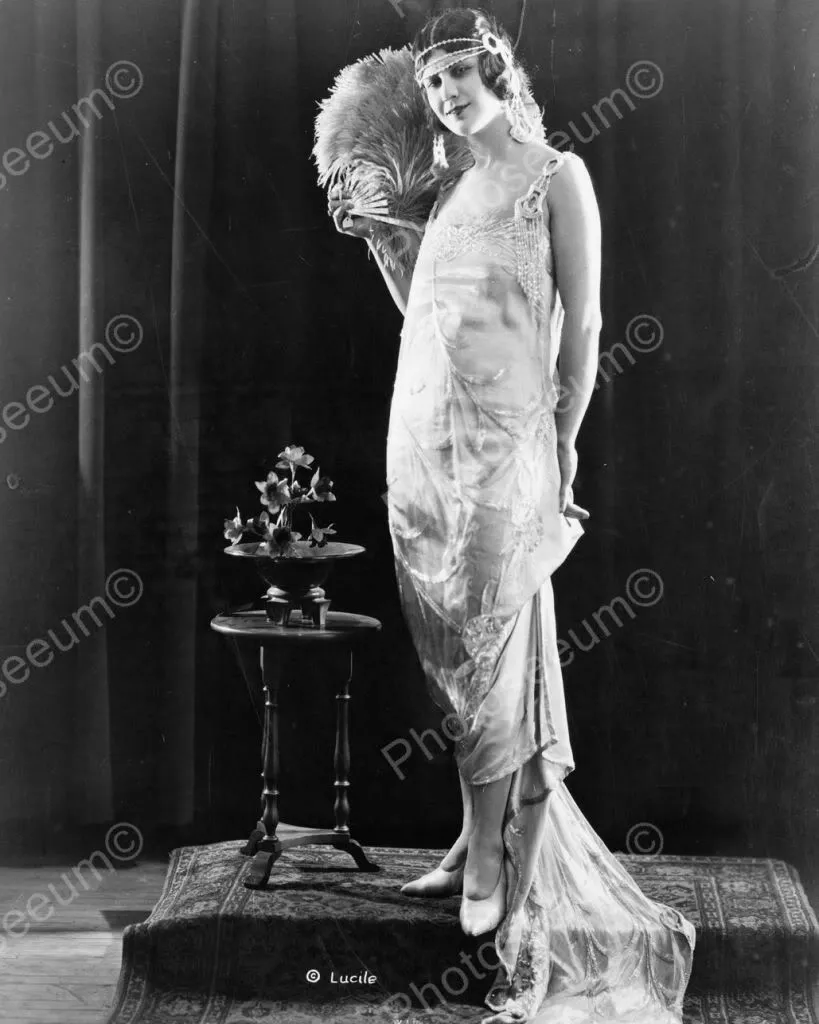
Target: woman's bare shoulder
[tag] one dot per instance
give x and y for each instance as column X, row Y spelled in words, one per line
column 571, row 182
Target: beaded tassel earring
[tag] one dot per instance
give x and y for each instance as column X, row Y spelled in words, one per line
column 439, row 152
column 521, row 127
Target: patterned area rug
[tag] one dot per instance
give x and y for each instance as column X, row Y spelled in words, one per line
column 326, row 942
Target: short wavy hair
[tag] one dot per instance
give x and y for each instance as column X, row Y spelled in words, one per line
column 465, row 22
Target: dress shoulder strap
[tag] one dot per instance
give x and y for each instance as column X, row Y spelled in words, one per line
column 532, row 240
column 531, row 205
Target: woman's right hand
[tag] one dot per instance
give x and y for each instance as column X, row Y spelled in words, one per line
column 337, row 206
column 567, row 461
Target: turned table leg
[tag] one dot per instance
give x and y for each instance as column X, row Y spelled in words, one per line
column 341, row 808
column 270, row 743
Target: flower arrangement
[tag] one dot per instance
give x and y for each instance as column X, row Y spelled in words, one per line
column 280, row 496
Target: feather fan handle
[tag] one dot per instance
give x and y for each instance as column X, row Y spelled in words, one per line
column 382, row 219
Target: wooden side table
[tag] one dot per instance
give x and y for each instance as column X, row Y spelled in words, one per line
column 271, row 837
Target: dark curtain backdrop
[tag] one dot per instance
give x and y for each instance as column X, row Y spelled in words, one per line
column 185, row 214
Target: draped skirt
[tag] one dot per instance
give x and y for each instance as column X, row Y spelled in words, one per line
column 580, row 942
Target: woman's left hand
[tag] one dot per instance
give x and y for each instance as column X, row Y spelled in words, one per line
column 567, row 461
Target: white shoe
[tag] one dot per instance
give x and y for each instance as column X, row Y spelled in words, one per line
column 482, row 915
column 440, row 882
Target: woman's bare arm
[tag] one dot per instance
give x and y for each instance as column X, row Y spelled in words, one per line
column 397, row 282
column 575, row 232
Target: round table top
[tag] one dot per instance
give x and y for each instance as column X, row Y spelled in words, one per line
column 255, row 625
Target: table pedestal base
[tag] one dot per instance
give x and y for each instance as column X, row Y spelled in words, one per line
column 313, row 606
column 266, row 850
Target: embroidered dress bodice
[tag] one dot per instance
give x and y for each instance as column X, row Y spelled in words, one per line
column 519, row 239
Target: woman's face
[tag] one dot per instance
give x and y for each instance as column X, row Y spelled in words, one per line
column 459, row 98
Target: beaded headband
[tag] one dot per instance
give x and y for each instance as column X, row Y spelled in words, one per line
column 473, row 46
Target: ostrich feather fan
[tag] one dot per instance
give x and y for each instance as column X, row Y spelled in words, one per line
column 372, row 136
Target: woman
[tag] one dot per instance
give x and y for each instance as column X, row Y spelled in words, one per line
column 481, row 458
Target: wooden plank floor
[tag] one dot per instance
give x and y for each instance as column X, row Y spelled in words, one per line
column 63, row 968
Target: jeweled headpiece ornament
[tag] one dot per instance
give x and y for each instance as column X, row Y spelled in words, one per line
column 484, row 41
column 469, row 46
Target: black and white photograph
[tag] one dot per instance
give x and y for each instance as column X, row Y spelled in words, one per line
column 409, row 423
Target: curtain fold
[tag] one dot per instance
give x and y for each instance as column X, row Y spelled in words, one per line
column 91, row 794
column 193, row 178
